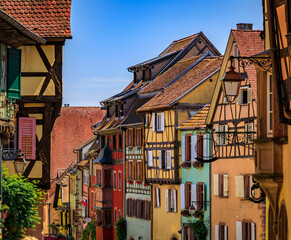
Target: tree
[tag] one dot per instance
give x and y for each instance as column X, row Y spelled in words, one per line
column 121, row 229
column 22, row 199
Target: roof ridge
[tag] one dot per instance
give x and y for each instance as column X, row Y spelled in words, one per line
column 184, row 38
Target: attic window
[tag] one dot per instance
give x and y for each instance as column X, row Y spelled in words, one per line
column 107, row 112
column 235, row 50
column 116, row 111
column 245, row 95
column 121, row 110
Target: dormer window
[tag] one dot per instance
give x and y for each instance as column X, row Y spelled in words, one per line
column 107, row 112
column 235, row 50
column 121, row 110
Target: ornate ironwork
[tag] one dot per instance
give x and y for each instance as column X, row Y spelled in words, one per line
column 11, row 155
column 262, row 196
column 8, row 108
column 263, row 62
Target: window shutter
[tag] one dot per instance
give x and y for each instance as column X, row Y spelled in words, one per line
column 150, row 158
column 246, row 186
column 239, row 186
column 203, row 197
column 183, row 143
column 239, row 230
column 253, row 231
column 160, row 159
column 157, row 197
column 250, row 95
column 225, row 185
column 13, row 73
column 27, row 137
column 193, row 147
column 174, row 199
column 239, row 97
column 216, row 184
column 194, row 195
column 126, row 135
column 226, row 134
column 182, row 195
column 205, row 146
column 167, row 200
column 225, row 233
column 217, row 232
column 169, row 159
column 154, row 121
column 217, row 137
column 251, row 184
column 162, row 121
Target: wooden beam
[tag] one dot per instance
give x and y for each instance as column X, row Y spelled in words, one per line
column 33, row 74
column 43, row 99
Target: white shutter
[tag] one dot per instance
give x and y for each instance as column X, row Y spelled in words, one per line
column 194, row 195
column 225, row 185
column 253, row 231
column 160, row 159
column 174, row 199
column 158, row 197
column 169, row 159
column 167, row 200
column 205, row 146
column 217, row 137
column 250, row 95
column 183, row 143
column 239, row 230
column 226, row 134
column 216, row 184
column 239, row 186
column 193, row 147
column 154, row 121
column 182, row 196
column 162, row 121
column 216, row 232
column 150, row 158
column 239, row 97
column 225, row 233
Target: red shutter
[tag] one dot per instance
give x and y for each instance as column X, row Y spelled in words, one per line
column 27, row 137
column 200, row 145
column 188, row 147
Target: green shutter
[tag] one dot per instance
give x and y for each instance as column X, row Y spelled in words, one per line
column 13, row 73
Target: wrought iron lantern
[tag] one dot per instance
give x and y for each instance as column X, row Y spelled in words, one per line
column 231, row 84
column 192, row 210
column 19, row 165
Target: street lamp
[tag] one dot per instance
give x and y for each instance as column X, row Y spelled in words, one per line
column 192, row 210
column 19, row 165
column 231, row 84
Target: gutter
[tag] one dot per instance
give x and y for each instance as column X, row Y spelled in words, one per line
column 21, row 28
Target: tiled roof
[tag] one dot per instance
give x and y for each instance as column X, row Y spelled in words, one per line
column 184, row 83
column 163, row 80
column 178, row 44
column 249, row 43
column 48, row 18
column 196, row 121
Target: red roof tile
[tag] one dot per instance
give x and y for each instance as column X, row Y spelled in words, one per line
column 48, row 18
column 183, row 84
column 249, row 43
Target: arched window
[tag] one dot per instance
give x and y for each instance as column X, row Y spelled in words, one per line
column 283, row 223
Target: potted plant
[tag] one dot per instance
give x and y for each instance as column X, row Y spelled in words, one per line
column 98, row 222
column 199, row 214
column 185, row 213
column 198, row 164
column 129, row 181
column 186, row 164
column 138, row 182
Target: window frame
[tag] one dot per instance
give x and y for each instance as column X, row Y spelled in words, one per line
column 160, row 121
column 270, row 106
column 119, row 181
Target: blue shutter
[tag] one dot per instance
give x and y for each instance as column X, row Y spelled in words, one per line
column 13, row 73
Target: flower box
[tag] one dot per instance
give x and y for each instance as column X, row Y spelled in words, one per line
column 138, row 182
column 198, row 164
column 186, row 164
column 185, row 213
column 129, row 181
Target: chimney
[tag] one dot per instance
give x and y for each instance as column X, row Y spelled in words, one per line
column 244, row 26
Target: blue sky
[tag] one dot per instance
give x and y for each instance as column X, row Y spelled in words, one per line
column 111, row 35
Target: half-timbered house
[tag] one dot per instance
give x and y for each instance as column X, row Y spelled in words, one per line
column 233, row 215
column 195, row 189
column 180, row 92
column 37, row 82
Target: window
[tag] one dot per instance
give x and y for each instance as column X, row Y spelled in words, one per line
column 130, row 163
column 220, row 185
column 115, row 216
column 138, row 170
column 92, row 202
column 244, row 95
column 138, row 208
column 221, row 232
column 235, row 50
column 188, row 197
column 188, row 233
column 108, row 111
column 150, row 159
column 138, row 137
column 147, row 120
column 121, row 110
column 120, row 141
column 200, row 145
column 130, row 137
column 171, row 200
column 114, row 180
column 201, row 196
column 221, row 135
column 188, row 147
column 86, row 177
column 245, row 230
column 269, row 104
column 160, row 122
column 116, row 111
column 27, row 137
column 114, row 142
column 108, row 179
column 249, row 135
column 98, row 177
column 108, row 218
column 243, row 184
column 157, row 197
column 165, row 159
column 119, row 180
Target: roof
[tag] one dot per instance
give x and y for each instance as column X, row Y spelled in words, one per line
column 178, row 44
column 105, row 155
column 196, row 121
column 197, row 73
column 249, row 43
column 47, row 18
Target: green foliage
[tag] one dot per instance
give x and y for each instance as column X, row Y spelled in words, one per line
column 121, row 229
column 20, row 199
column 89, row 229
column 200, row 229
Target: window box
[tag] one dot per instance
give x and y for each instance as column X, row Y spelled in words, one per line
column 129, row 181
column 197, row 164
column 199, row 214
column 138, row 182
column 186, row 164
column 185, row 213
